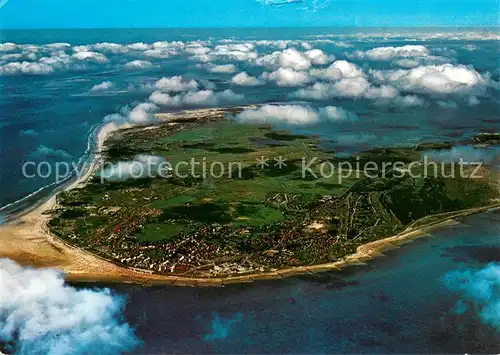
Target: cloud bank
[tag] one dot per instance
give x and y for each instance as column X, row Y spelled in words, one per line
column 388, row 53
column 196, row 98
column 294, row 115
column 41, row 315
column 176, row 84
column 243, row 79
column 140, row 114
column 399, row 76
column 440, row 79
column 174, row 92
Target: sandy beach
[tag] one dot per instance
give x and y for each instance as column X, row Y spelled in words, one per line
column 27, row 241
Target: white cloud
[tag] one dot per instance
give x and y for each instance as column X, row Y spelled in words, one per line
column 460, row 36
column 317, row 91
column 293, row 65
column 287, row 77
column 138, row 64
column 338, row 70
column 11, row 57
column 346, row 79
column 42, row 315
column 329, row 74
column 176, row 84
column 318, row 57
column 407, row 63
column 289, row 114
column 77, row 49
column 409, row 101
column 351, row 87
column 49, row 58
column 281, row 44
column 225, row 68
column 337, row 114
column 240, row 47
column 295, row 115
column 139, row 46
column 171, row 45
column 243, row 79
column 228, row 96
column 43, row 151
column 339, row 44
column 388, row 53
column 158, row 53
column 196, row 98
column 197, row 50
column 293, row 59
column 238, row 51
column 23, row 55
column 202, row 97
column 111, row 48
column 163, row 99
column 442, row 79
column 142, row 114
column 204, row 58
column 381, row 92
column 479, row 35
column 289, row 58
column 105, row 85
column 142, row 166
column 306, row 46
column 348, row 70
column 92, row 56
column 358, row 88
column 61, row 61
column 8, row 47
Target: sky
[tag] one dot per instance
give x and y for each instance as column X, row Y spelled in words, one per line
column 246, row 13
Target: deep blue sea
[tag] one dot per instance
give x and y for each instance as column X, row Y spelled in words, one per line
column 57, row 86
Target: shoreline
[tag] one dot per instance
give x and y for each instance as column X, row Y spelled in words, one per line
column 27, row 241
column 363, row 254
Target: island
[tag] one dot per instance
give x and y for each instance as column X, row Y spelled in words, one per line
column 239, row 202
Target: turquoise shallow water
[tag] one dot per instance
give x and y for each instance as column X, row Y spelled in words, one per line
column 406, row 302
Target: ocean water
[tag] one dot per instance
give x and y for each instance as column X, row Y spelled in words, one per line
column 436, row 295
column 49, row 110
